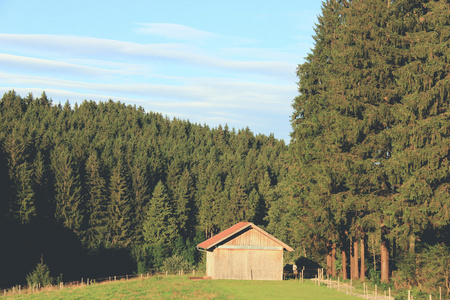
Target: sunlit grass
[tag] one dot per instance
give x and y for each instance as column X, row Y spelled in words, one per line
column 173, row 287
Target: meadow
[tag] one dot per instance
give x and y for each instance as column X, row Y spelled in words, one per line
column 172, row 287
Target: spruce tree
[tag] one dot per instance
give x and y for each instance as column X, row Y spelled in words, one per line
column 67, row 190
column 183, row 204
column 119, row 209
column 96, row 203
column 24, row 207
column 140, row 193
column 160, row 231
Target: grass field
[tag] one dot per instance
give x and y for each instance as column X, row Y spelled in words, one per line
column 183, row 288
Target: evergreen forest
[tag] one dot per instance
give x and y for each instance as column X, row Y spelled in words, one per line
column 106, row 188
column 362, row 188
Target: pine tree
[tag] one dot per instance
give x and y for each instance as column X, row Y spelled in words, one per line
column 160, row 230
column 96, row 203
column 119, row 209
column 183, row 204
column 67, row 190
column 42, row 187
column 209, row 203
column 25, row 206
column 316, row 179
column 140, row 194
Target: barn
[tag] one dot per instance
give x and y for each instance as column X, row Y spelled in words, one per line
column 244, row 251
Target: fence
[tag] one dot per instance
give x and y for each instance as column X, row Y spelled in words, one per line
column 350, row 289
column 363, row 291
column 18, row 289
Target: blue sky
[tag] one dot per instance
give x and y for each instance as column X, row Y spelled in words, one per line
column 209, row 62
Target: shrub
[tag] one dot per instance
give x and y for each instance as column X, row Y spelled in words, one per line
column 176, row 263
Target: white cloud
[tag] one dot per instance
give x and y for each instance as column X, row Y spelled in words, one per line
column 95, row 48
column 173, row 31
column 30, row 64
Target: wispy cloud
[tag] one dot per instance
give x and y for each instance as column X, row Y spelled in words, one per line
column 45, row 66
column 73, row 46
column 173, row 31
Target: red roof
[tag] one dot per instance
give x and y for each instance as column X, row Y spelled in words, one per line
column 235, row 229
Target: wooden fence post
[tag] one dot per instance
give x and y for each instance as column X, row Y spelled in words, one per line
column 351, row 285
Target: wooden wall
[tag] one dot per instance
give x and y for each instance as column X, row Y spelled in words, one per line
column 252, row 237
column 250, row 256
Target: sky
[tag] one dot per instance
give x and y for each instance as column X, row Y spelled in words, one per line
column 210, row 62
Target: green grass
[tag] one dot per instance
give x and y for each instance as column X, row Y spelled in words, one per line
column 183, row 288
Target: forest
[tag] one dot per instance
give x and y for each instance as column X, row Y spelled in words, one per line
column 111, row 188
column 362, row 188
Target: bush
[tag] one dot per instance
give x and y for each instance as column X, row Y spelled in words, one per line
column 176, row 263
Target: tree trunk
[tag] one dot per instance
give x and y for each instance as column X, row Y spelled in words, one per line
column 363, row 266
column 356, row 258
column 333, row 260
column 352, row 260
column 384, row 257
column 329, row 263
column 344, row 265
column 374, row 255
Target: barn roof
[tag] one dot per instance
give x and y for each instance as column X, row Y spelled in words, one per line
column 233, row 230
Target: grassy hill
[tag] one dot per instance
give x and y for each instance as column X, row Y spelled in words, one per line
column 182, row 288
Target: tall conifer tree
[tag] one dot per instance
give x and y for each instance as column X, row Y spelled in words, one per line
column 67, row 189
column 96, row 204
column 119, row 208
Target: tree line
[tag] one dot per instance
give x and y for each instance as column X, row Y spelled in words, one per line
column 368, row 180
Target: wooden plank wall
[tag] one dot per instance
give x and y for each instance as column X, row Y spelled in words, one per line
column 252, row 238
column 248, row 264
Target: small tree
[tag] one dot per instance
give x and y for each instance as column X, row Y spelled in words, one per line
column 40, row 275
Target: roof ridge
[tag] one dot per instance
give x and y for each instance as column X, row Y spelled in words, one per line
column 209, row 243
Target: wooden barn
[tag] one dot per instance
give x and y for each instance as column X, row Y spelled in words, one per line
column 244, row 251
